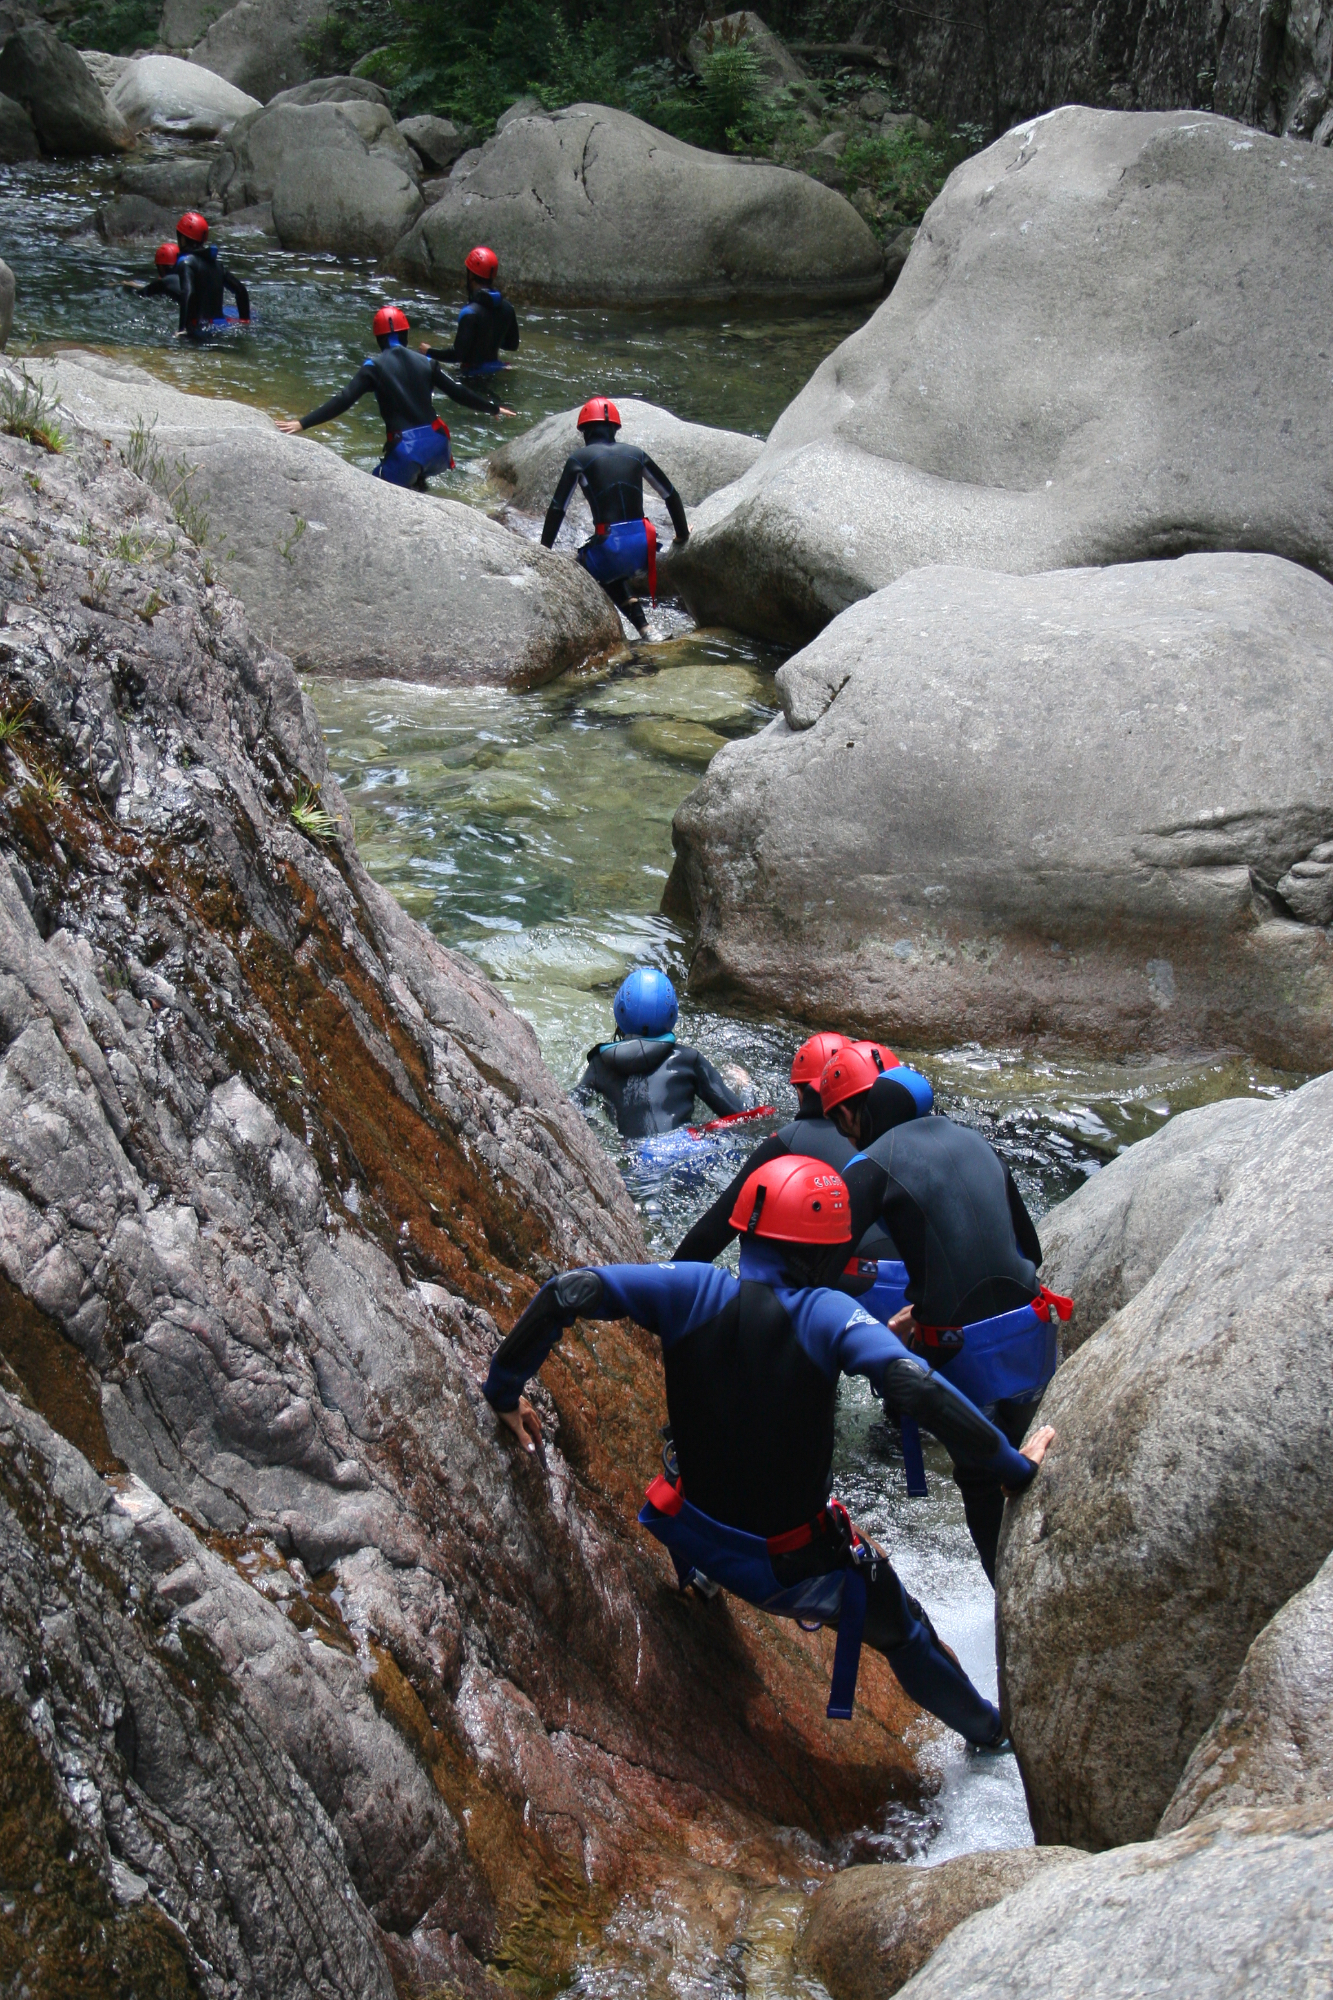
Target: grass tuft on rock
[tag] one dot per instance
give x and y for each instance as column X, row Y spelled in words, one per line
column 26, row 411
column 313, row 819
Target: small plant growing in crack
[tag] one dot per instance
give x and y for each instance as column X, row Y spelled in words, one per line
column 313, row 819
column 14, row 723
column 50, row 785
column 149, row 611
column 26, row 411
column 287, row 546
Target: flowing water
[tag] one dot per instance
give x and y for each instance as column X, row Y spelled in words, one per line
column 533, row 832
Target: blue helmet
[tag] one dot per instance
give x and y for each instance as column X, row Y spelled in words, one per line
column 646, row 1004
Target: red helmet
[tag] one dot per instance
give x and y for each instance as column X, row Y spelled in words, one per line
column 794, row 1200
column 167, row 253
column 482, row 263
column 807, row 1065
column 852, row 1071
column 389, row 319
column 192, row 226
column 601, row 410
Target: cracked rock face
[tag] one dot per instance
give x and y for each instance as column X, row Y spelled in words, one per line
column 274, row 1168
column 1184, row 1501
column 1057, row 806
column 1075, row 366
column 594, row 207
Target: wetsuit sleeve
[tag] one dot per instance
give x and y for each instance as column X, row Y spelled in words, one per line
column 866, row 1183
column 238, row 292
column 708, row 1084
column 713, row 1231
column 185, row 279
column 669, row 1300
column 168, row 287
column 555, row 513
column 460, row 394
column 1024, row 1229
column 675, row 505
column 360, row 385
column 509, row 338
column 464, row 342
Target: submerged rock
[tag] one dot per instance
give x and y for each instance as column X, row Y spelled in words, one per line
column 1184, row 1500
column 355, row 577
column 697, row 458
column 1075, row 366
column 274, row 1162
column 592, row 207
column 163, row 94
column 871, row 1928
column 1272, row 1744
column 1055, row 805
column 53, row 86
column 1235, row 1905
column 265, row 46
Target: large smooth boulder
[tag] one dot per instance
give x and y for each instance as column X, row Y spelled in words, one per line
column 1272, row 1744
column 265, row 46
column 593, row 207
column 164, row 94
column 1235, row 1906
column 697, row 458
column 871, row 1928
column 377, row 580
column 1060, row 805
column 18, row 134
column 52, row 84
column 1105, row 1241
column 438, row 140
column 338, row 174
column 335, row 90
column 1076, row 365
column 1184, row 1500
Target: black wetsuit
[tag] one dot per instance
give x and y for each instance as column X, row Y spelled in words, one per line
column 971, row 1251
column 166, row 285
column 203, row 280
column 611, row 475
column 402, row 383
column 651, row 1084
column 486, row 324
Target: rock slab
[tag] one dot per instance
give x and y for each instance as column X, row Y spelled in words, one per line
column 1184, row 1501
column 1062, row 806
column 53, row 85
column 592, row 207
column 338, row 174
column 264, row 46
column 378, row 580
column 697, row 458
column 871, row 1928
column 1075, row 366
column 164, row 94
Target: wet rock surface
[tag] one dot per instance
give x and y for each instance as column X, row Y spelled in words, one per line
column 871, row 1928
column 697, row 458
column 358, row 577
column 1272, row 1744
column 1073, row 367
column 1235, row 1905
column 274, row 1166
column 1054, row 805
column 593, row 207
column 1183, row 1502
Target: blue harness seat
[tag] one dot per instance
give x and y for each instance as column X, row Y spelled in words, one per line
column 622, row 548
column 416, row 454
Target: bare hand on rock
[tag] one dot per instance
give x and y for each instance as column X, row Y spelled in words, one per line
column 526, row 1426
column 1035, row 1449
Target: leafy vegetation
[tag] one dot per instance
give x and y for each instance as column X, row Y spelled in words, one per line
column 313, row 819
column 116, row 26
column 26, row 411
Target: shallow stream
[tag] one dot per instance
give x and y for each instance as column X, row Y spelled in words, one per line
column 533, row 832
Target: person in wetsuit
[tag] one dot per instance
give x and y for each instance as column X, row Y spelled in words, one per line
column 416, row 442
column 752, row 1369
column 204, row 279
column 811, row 1134
column 611, row 476
column 964, row 1234
column 167, row 283
column 486, row 324
column 649, row 1079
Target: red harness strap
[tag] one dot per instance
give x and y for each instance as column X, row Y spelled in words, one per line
column 834, row 1515
column 650, row 534
column 667, row 1499
column 1048, row 1300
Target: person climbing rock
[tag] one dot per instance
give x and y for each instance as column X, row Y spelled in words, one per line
column 649, row 1079
column 752, row 1369
column 204, row 280
column 974, row 1305
column 811, row 1134
column 486, row 324
column 416, row 442
column 167, row 283
column 611, row 476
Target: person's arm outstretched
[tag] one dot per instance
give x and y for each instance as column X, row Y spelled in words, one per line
column 555, row 513
column 460, row 393
column 674, row 504
column 360, row 385
column 237, row 290
column 710, row 1235
column 721, row 1101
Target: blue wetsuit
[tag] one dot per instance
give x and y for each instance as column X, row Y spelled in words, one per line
column 486, row 324
column 752, row 1368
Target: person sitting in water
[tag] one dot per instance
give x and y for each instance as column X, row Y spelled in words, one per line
column 649, row 1079
column 167, row 283
column 204, row 280
column 612, row 476
column 969, row 1246
column 811, row 1134
column 416, row 442
column 486, row 324
column 751, row 1367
